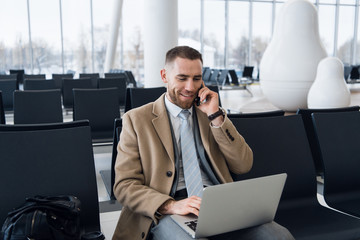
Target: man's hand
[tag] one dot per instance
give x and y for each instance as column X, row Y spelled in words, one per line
column 211, row 105
column 182, row 207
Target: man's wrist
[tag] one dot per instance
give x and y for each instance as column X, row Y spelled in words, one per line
column 165, row 207
column 216, row 114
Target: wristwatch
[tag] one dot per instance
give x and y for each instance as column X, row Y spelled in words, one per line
column 221, row 112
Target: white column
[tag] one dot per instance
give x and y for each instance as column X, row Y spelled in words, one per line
column 113, row 36
column 160, row 34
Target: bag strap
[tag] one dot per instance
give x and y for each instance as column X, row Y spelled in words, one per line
column 69, row 203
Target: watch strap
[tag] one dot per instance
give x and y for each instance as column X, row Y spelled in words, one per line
column 216, row 114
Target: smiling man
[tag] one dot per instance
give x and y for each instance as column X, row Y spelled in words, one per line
column 158, row 173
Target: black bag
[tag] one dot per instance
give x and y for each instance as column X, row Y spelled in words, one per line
column 40, row 218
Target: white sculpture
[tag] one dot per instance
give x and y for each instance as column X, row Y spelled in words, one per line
column 329, row 89
column 288, row 66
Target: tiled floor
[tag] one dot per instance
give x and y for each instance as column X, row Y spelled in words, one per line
column 234, row 100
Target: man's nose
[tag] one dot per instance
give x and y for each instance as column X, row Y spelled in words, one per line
column 190, row 85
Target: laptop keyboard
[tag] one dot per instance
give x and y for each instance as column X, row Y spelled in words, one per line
column 192, row 224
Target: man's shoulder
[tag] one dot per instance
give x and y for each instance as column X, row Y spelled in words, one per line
column 142, row 111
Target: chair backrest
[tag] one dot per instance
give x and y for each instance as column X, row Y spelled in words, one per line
column 10, row 76
column 248, row 71
column 131, row 78
column 58, row 78
column 119, row 83
column 338, row 134
column 310, row 132
column 347, row 70
column 234, row 77
column 354, row 73
column 2, row 112
column 69, row 85
column 34, row 76
column 137, row 97
column 39, row 84
column 19, row 75
column 257, row 114
column 214, row 77
column 223, row 77
column 100, row 107
column 206, row 74
column 116, row 75
column 8, row 86
column 116, row 139
column 280, row 145
column 93, row 76
column 37, row 106
column 49, row 160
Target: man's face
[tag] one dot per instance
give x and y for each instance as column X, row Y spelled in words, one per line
column 184, row 79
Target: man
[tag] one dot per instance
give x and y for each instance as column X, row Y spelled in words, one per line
column 151, row 181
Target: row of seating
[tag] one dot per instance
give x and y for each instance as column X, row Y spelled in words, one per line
column 99, row 106
column 225, row 76
column 280, row 144
column 10, row 83
column 20, row 76
column 227, row 79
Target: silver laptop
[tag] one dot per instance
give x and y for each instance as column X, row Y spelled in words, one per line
column 233, row 206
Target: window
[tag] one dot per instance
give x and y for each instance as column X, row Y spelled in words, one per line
column 214, row 32
column 238, row 34
column 102, row 13
column 45, row 18
column 345, row 34
column 326, row 14
column 14, row 37
column 189, row 23
column 77, row 36
column 133, row 39
column 262, row 26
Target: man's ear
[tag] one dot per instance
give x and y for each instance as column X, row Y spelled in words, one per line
column 163, row 75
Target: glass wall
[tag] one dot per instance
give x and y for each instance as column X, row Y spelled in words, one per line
column 101, row 10
column 238, row 43
column 60, row 36
column 77, row 36
column 214, row 32
column 14, row 37
column 132, row 57
column 345, row 34
column 46, row 48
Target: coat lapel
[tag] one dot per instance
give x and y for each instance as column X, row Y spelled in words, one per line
column 162, row 126
column 204, row 128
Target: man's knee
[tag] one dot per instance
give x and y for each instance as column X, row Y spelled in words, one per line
column 272, row 231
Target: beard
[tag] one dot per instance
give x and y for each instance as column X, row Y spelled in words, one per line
column 175, row 98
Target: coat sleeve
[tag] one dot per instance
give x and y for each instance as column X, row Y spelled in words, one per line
column 237, row 153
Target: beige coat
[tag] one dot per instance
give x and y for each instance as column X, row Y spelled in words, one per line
column 145, row 163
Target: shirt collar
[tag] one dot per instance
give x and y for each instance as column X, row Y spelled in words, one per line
column 173, row 109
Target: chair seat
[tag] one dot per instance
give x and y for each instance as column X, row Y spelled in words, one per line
column 315, row 222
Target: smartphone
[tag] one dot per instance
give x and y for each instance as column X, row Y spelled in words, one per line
column 197, row 99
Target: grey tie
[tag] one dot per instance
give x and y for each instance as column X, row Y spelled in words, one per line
column 191, row 167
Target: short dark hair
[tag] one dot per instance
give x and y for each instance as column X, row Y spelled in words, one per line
column 182, row 52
